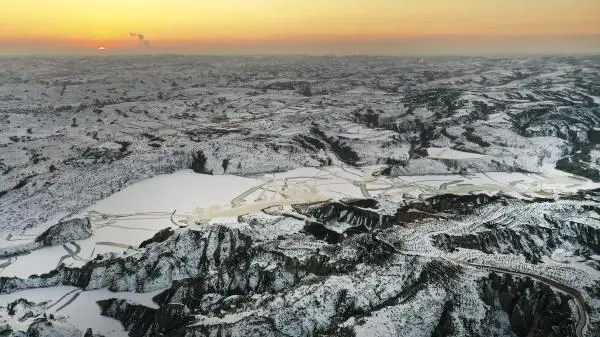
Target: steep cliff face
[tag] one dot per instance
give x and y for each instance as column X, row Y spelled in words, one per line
column 169, row 320
column 533, row 230
column 399, row 275
column 363, row 215
column 584, row 162
column 375, row 281
column 425, row 302
column 184, row 254
column 533, row 309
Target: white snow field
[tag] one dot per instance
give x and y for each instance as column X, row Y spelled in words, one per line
column 76, row 306
column 303, row 195
column 184, row 198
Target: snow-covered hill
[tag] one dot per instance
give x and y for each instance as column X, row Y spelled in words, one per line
column 299, row 196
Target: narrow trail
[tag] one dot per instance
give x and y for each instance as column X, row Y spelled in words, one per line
column 62, row 298
column 71, row 300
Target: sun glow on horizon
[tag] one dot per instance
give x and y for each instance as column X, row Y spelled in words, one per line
column 188, row 23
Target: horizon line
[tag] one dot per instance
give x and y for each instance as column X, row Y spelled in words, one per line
column 316, row 55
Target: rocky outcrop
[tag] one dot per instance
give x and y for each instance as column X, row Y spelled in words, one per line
column 533, row 309
column 182, row 255
column 360, row 304
column 34, row 322
column 45, row 327
column 248, row 274
column 161, row 236
column 335, row 220
column 63, row 232
column 584, row 163
column 537, row 230
column 356, row 286
column 168, row 320
column 297, row 274
column 66, row 231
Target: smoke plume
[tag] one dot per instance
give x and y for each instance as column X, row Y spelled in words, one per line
column 141, row 38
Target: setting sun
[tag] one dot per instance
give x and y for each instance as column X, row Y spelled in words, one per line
column 101, row 48
column 263, row 26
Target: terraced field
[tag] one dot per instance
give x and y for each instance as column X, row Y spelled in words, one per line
column 299, row 196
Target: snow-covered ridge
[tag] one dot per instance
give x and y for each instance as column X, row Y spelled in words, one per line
column 90, row 127
column 299, row 196
column 210, row 251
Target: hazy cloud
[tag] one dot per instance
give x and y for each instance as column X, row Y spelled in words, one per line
column 141, row 38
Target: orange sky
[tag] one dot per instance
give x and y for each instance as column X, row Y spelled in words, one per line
column 300, row 26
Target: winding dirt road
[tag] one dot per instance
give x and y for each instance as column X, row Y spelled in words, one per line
column 583, row 315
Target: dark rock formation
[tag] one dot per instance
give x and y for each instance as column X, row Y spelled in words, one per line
column 66, row 231
column 533, row 309
column 161, row 236
column 169, row 320
column 387, row 273
column 524, row 235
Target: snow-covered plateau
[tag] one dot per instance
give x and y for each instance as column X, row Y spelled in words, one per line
column 299, row 196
